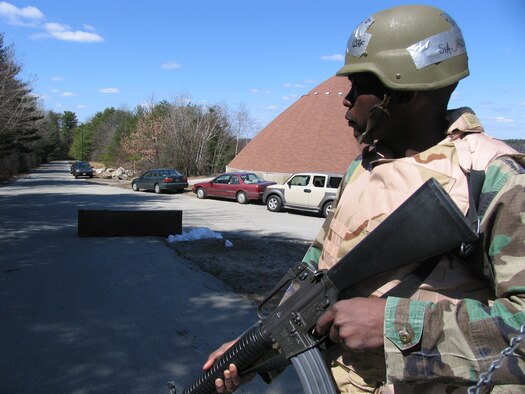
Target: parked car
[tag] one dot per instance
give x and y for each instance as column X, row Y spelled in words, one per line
column 76, row 164
column 81, row 168
column 160, row 180
column 240, row 186
column 313, row 192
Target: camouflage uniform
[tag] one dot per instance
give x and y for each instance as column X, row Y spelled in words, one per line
column 457, row 322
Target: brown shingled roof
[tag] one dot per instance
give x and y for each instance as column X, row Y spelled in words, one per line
column 310, row 135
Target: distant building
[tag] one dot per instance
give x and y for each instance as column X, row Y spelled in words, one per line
column 310, row 135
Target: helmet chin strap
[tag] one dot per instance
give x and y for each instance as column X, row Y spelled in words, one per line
column 375, row 114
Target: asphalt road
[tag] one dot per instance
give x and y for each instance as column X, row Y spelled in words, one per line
column 118, row 314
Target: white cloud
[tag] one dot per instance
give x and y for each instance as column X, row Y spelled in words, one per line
column 289, row 97
column 171, row 65
column 68, row 94
column 271, row 107
column 81, row 106
column 333, row 58
column 64, row 33
column 57, row 78
column 293, row 85
column 147, row 106
column 33, row 17
column 503, row 119
column 258, row 91
column 109, row 90
column 26, row 16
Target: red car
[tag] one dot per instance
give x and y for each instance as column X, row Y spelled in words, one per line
column 240, row 186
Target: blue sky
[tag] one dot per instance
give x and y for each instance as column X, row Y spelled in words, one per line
column 85, row 56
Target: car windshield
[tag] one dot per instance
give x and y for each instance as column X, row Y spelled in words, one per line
column 251, row 178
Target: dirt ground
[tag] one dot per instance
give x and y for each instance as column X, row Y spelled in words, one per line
column 251, row 267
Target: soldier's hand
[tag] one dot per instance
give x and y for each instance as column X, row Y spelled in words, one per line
column 356, row 323
column 231, row 380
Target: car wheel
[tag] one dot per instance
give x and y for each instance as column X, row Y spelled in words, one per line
column 274, row 203
column 157, row 188
column 327, row 207
column 135, row 187
column 200, row 193
column 242, row 198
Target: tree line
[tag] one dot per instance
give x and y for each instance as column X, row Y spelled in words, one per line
column 195, row 139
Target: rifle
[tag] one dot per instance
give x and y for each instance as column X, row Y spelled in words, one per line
column 427, row 224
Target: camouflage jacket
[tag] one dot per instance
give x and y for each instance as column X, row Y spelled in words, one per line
column 444, row 334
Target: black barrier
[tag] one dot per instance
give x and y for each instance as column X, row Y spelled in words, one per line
column 111, row 223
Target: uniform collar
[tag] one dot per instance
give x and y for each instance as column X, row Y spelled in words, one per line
column 463, row 120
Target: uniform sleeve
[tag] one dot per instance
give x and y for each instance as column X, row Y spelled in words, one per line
column 454, row 343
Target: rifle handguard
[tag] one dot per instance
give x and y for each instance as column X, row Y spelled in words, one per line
column 244, row 353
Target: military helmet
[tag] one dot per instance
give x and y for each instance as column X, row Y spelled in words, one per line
column 410, row 47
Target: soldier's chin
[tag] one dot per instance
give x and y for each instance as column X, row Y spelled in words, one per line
column 358, row 134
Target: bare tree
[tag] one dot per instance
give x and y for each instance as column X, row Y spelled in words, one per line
column 193, row 130
column 242, row 125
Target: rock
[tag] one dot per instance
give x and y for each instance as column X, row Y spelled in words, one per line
column 118, row 172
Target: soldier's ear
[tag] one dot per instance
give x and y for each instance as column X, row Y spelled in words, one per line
column 403, row 97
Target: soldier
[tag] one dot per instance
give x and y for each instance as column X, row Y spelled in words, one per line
column 404, row 63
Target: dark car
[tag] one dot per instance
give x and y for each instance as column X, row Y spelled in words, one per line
column 81, row 168
column 240, row 186
column 160, row 180
column 76, row 164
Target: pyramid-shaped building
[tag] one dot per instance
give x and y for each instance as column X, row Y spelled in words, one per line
column 311, row 135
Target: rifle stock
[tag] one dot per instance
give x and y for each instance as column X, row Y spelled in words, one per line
column 427, row 224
